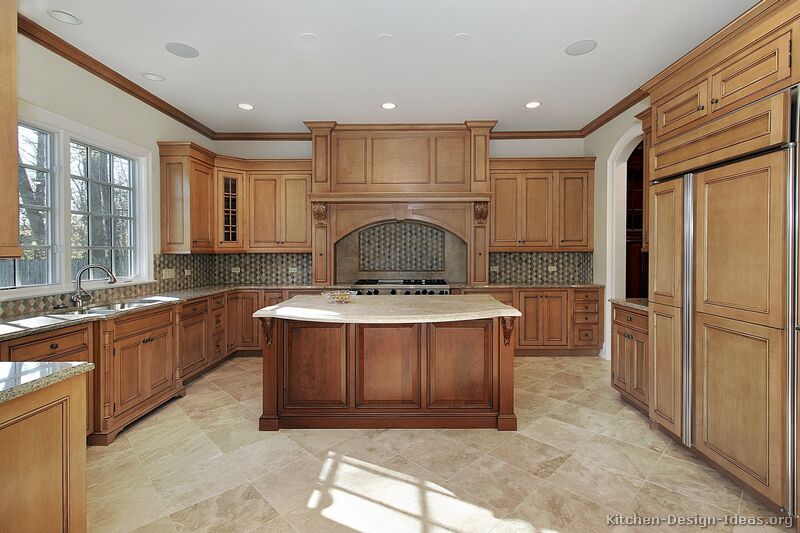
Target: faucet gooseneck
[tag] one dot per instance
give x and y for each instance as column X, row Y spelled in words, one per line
column 82, row 297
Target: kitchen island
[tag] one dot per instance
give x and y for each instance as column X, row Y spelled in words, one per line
column 389, row 362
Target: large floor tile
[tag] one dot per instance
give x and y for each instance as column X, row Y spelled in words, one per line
column 697, row 482
column 238, row 434
column 267, row 455
column 655, row 501
column 535, row 457
column 113, row 473
column 125, row 509
column 583, row 417
column 240, row 509
column 401, row 440
column 557, row 433
column 481, row 439
column 222, row 417
column 174, row 457
column 551, row 389
column 162, row 525
column 637, row 431
column 292, row 485
column 315, row 440
column 359, row 447
column 620, row 455
column 587, row 478
column 496, row 482
column 757, row 518
column 443, row 456
column 608, row 403
column 195, row 483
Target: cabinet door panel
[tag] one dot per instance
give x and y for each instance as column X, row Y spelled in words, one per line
column 666, row 355
column 387, row 365
column 530, row 327
column 639, row 383
column 160, row 360
column 741, row 243
column 554, row 315
column 537, row 206
column 264, row 213
column 250, row 337
column 194, row 343
column 740, row 395
column 681, row 109
column 575, row 201
column 666, row 243
column 619, row 358
column 460, row 364
column 505, row 208
column 296, row 211
column 315, row 365
column 230, row 209
column 233, row 312
column 201, row 192
column 130, row 363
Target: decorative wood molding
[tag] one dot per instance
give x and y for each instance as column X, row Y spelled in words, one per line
column 480, row 212
column 190, row 149
column 262, row 136
column 395, row 197
column 541, row 163
column 320, row 213
column 508, row 328
column 533, row 134
column 614, row 111
column 266, row 328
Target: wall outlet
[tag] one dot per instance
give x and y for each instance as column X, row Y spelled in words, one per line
column 187, row 272
column 236, row 270
column 292, row 270
column 552, row 268
column 168, row 273
column 494, row 269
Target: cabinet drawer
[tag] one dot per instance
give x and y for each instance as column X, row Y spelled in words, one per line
column 584, row 307
column 218, row 301
column 754, row 127
column 584, row 335
column 586, row 295
column 141, row 322
column 218, row 320
column 757, row 67
column 49, row 346
column 628, row 318
column 682, row 108
column 584, row 318
column 196, row 307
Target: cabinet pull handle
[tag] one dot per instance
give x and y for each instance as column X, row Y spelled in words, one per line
column 54, row 346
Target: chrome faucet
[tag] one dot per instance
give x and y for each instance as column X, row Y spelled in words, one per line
column 81, row 296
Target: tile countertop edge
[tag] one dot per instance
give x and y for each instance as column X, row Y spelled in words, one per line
column 12, row 387
column 633, row 303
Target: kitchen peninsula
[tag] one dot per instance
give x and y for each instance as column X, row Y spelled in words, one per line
column 387, row 362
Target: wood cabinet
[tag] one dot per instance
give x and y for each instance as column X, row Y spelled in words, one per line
column 737, row 204
column 666, row 243
column 249, row 332
column 75, row 343
column 630, row 363
column 187, row 199
column 9, row 200
column 233, row 310
column 740, row 393
column 537, row 206
column 143, row 367
column 194, row 339
column 44, row 459
column 665, row 338
column 544, row 318
column 231, row 203
column 682, row 108
column 280, row 214
column 587, row 319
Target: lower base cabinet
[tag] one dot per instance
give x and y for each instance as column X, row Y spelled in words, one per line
column 630, row 363
column 665, row 338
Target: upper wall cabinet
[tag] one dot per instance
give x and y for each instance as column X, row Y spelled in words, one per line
column 752, row 64
column 542, row 204
column 187, row 199
column 230, row 209
column 9, row 200
column 280, row 214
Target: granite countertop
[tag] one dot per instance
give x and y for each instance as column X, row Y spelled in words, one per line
column 634, row 303
column 389, row 309
column 19, row 379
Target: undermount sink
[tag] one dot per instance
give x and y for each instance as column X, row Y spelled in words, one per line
column 120, row 306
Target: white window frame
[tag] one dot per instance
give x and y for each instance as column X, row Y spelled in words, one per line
column 65, row 130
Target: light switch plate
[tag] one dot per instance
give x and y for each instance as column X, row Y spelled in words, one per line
column 187, row 272
column 168, row 273
column 236, row 270
column 292, row 270
column 494, row 269
column 552, row 268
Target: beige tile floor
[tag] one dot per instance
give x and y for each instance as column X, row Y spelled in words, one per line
column 199, row 463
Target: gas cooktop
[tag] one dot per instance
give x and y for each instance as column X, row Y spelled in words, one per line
column 372, row 287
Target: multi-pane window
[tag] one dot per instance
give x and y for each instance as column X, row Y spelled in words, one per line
column 101, row 210
column 35, row 175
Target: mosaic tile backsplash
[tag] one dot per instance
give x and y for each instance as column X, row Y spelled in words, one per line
column 401, row 246
column 531, row 267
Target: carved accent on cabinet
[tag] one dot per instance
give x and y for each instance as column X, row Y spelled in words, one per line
column 266, row 327
column 480, row 212
column 320, row 213
column 508, row 328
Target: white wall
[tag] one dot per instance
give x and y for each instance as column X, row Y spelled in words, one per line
column 265, row 149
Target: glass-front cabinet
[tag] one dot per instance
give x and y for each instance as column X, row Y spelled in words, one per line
column 230, row 199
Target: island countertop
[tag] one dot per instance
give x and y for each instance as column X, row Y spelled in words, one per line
column 389, row 309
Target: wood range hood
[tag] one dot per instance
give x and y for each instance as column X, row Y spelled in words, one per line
column 366, row 174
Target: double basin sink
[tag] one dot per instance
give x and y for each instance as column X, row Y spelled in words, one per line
column 107, row 309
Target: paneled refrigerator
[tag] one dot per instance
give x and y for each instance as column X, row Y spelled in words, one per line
column 723, row 313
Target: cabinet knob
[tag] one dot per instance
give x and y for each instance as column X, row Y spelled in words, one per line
column 715, row 100
column 629, row 319
column 701, row 107
column 54, row 346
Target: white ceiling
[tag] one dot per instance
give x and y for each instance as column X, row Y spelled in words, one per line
column 251, row 51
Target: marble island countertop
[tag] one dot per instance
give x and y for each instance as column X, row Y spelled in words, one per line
column 19, row 379
column 635, row 303
column 389, row 309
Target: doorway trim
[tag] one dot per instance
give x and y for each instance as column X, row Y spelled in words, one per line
column 616, row 192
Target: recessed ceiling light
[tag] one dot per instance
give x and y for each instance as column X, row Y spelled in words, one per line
column 461, row 38
column 246, row 107
column 309, row 37
column 532, row 105
column 182, row 50
column 152, row 76
column 578, row 48
column 65, row 16
column 386, row 38
column 388, row 105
